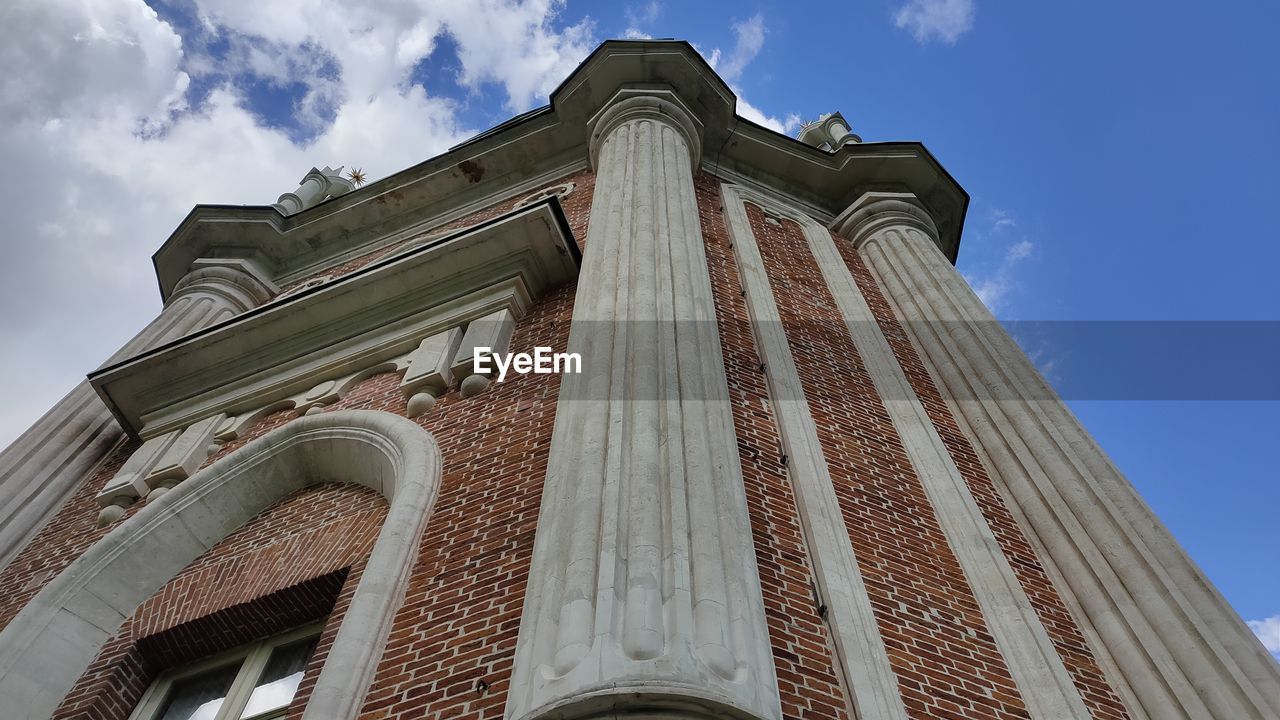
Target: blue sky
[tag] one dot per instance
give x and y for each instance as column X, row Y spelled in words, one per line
column 1120, row 157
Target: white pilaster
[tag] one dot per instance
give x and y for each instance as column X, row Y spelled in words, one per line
column 861, row 653
column 1039, row 672
column 1180, row 649
column 643, row 592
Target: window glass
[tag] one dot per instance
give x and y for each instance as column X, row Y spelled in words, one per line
column 279, row 681
column 252, row 682
column 199, row 697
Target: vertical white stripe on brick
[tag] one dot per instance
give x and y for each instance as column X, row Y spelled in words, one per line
column 1042, row 678
column 1180, row 647
column 861, row 655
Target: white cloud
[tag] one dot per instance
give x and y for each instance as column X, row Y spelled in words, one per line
column 1001, row 219
column 514, row 45
column 1268, row 631
column 993, row 286
column 748, row 40
column 638, row 17
column 106, row 157
column 941, row 20
column 1019, row 250
column 787, row 125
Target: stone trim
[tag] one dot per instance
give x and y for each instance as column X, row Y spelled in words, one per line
column 1177, row 645
column 662, row 106
column 555, row 191
column 860, row 651
column 48, row 645
column 379, row 312
column 1042, row 678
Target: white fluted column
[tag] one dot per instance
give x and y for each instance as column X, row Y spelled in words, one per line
column 47, row 463
column 643, row 592
column 212, row 292
column 1180, row 649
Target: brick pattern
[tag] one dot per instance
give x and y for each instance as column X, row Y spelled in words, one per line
column 281, row 569
column 945, row 659
column 808, row 683
column 452, row 644
column 1094, row 688
column 64, row 538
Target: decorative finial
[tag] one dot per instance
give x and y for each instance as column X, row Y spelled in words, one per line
column 357, row 176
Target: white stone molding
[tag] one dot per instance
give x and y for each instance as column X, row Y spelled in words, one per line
column 1042, row 678
column 434, row 227
column 492, row 331
column 829, row 133
column 181, row 459
column 378, row 313
column 50, row 643
column 861, row 655
column 325, row 393
column 314, row 188
column 428, row 375
column 643, row 591
column 215, row 290
column 234, row 426
column 1179, row 648
column 161, row 463
column 555, row 191
column 129, row 483
column 629, row 106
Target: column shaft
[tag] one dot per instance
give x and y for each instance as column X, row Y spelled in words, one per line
column 1088, row 458
column 1042, row 678
column 1180, row 648
column 643, row 588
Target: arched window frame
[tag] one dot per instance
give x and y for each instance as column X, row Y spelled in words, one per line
column 50, row 643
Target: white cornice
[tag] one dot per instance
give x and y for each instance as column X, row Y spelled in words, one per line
column 324, row 261
column 544, row 144
column 369, row 316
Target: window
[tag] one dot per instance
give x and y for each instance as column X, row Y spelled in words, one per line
column 254, row 682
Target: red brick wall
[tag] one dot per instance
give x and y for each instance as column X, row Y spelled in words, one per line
column 452, row 643
column 807, row 681
column 1098, row 695
column 283, row 568
column 946, row 660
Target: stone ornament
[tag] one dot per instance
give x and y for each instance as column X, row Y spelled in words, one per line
column 555, row 191
column 48, row 645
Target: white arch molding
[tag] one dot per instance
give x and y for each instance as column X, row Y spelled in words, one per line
column 50, row 643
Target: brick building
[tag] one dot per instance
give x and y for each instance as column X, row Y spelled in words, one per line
column 801, row 473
